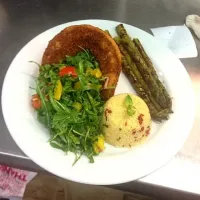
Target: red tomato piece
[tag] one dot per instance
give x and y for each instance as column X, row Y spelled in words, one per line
column 69, row 70
column 36, row 101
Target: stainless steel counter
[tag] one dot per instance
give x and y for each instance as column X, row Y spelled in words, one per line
column 21, row 20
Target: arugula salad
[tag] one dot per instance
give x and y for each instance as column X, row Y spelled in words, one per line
column 69, row 104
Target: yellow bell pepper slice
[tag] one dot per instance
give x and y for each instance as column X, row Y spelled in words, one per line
column 58, row 90
column 97, row 73
column 98, row 145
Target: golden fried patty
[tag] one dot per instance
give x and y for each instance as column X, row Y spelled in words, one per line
column 101, row 45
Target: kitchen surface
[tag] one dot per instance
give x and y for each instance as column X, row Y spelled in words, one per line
column 22, row 20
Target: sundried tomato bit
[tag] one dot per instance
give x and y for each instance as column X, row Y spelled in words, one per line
column 142, row 129
column 107, row 111
column 140, row 119
column 134, row 132
column 126, row 124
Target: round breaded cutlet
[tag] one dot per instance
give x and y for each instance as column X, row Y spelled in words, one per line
column 70, row 41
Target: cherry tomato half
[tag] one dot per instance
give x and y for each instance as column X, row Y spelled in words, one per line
column 36, row 101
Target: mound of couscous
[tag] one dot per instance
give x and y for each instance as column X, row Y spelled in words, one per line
column 126, row 120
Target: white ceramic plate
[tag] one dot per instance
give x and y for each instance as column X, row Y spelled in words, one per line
column 114, row 165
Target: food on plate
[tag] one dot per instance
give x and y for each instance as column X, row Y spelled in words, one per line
column 142, row 66
column 69, row 104
column 153, row 71
column 107, row 32
column 140, row 71
column 75, row 38
column 79, row 72
column 131, row 71
column 126, row 120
